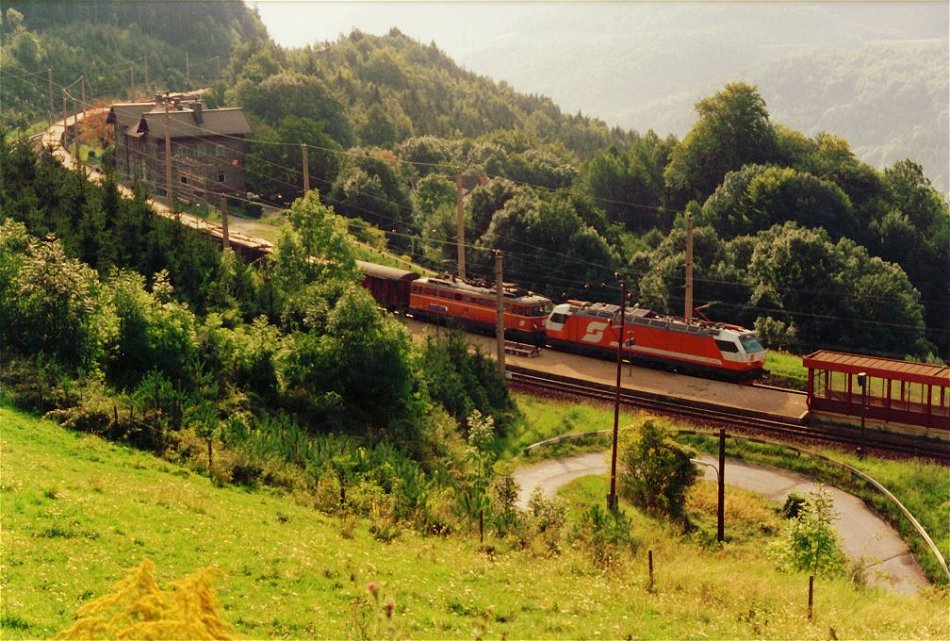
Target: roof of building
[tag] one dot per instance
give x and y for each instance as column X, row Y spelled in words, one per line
column 877, row 367
column 126, row 114
column 188, row 122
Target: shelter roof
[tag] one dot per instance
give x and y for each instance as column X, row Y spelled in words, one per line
column 877, row 367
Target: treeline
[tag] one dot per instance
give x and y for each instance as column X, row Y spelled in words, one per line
column 569, row 216
column 131, row 326
column 114, row 45
column 389, row 122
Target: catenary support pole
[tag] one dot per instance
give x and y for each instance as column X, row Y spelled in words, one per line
column 500, row 314
column 688, row 312
column 460, row 223
column 612, row 497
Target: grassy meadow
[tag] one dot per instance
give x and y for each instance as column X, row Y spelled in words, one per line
column 79, row 512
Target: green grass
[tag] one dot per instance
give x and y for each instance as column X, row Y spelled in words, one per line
column 786, row 370
column 924, row 488
column 546, row 418
column 78, row 512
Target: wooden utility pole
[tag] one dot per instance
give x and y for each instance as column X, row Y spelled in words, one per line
column 146, row 77
column 75, row 135
column 63, row 142
column 169, row 186
column 49, row 74
column 82, row 97
column 187, row 71
column 460, row 222
column 689, row 268
column 612, row 497
column 721, row 503
column 131, row 83
column 306, row 169
column 225, row 240
column 500, row 313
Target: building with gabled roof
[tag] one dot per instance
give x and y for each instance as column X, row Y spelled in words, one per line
column 208, row 147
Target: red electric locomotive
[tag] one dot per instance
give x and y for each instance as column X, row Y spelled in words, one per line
column 702, row 346
column 474, row 307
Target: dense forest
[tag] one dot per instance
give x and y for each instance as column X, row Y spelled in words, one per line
column 794, row 235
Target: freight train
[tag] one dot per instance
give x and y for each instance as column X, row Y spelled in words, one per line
column 698, row 346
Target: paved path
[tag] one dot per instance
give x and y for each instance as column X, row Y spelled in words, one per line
column 864, row 536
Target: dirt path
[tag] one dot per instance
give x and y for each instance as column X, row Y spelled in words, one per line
column 864, row 536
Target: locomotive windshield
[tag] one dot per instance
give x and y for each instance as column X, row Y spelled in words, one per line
column 751, row 343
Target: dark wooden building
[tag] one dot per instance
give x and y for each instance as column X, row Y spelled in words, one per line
column 208, row 147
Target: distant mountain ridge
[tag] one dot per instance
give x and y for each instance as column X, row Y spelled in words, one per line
column 875, row 73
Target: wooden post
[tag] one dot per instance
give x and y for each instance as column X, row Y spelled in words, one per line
column 460, row 223
column 650, row 562
column 612, row 497
column 225, row 240
column 688, row 312
column 499, row 313
column 169, row 187
column 63, row 142
column 721, row 509
column 49, row 74
column 811, row 596
column 306, row 169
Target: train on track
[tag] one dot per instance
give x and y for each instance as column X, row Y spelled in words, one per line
column 698, row 346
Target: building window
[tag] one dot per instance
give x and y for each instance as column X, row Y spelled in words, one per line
column 220, row 176
column 184, row 180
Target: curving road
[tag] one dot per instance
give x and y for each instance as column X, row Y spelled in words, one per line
column 864, row 536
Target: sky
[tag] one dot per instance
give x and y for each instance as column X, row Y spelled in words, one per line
column 453, row 25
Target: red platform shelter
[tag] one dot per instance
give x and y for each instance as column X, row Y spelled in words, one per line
column 896, row 394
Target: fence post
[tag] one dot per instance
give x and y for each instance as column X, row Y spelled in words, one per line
column 650, row 563
column 811, row 595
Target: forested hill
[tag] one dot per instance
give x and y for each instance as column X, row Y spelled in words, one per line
column 117, row 46
column 794, row 234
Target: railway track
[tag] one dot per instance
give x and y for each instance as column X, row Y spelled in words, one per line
column 735, row 419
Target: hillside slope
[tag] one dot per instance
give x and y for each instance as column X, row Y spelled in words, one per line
column 79, row 512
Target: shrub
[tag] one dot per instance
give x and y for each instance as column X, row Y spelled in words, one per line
column 809, row 542
column 605, row 535
column 137, row 608
column 657, row 472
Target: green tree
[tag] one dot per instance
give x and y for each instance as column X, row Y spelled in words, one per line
column 809, row 542
column 733, row 130
column 657, row 472
column 756, row 197
column 52, row 304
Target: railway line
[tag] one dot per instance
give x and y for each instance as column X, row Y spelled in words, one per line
column 738, row 419
column 775, row 411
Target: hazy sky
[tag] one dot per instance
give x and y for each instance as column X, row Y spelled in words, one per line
column 453, row 25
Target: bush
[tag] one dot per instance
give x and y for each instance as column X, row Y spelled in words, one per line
column 809, row 542
column 657, row 472
column 138, row 608
column 605, row 535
